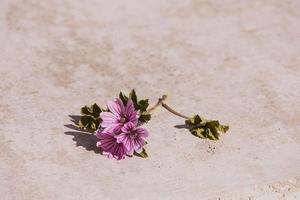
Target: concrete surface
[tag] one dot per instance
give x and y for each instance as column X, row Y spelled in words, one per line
column 236, row 61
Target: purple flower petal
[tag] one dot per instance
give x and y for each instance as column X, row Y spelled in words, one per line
column 130, row 112
column 143, row 133
column 113, row 128
column 138, row 144
column 108, row 119
column 116, row 107
column 110, row 147
column 118, row 116
column 128, row 127
column 132, row 138
column 139, row 150
column 126, row 141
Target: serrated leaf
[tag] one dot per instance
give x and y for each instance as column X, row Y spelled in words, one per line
column 199, row 132
column 144, row 117
column 223, row 129
column 90, row 118
column 195, row 120
column 85, row 121
column 212, row 133
column 142, row 154
column 85, row 111
column 143, row 105
column 133, row 97
column 123, row 97
column 95, row 125
column 205, row 129
column 96, row 110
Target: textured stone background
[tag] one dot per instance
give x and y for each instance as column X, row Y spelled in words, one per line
column 236, row 61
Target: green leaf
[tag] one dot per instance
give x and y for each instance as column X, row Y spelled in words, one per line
column 212, row 133
column 95, row 125
column 85, row 111
column 195, row 120
column 133, row 97
column 223, row 129
column 144, row 117
column 205, row 129
column 199, row 132
column 90, row 118
column 85, row 121
column 142, row 154
column 143, row 105
column 96, row 110
column 123, row 97
column 88, row 122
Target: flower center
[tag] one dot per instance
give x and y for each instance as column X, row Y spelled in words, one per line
column 123, row 119
column 133, row 135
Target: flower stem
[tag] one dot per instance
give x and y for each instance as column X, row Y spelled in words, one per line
column 161, row 102
column 174, row 111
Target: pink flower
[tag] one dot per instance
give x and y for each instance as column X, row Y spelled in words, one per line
column 113, row 121
column 108, row 143
column 132, row 137
column 118, row 135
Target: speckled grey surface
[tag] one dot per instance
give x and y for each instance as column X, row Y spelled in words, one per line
column 236, row 61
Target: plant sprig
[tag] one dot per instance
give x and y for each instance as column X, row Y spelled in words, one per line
column 198, row 126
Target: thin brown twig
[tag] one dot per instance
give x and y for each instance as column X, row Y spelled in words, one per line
column 159, row 103
column 174, row 111
column 162, row 102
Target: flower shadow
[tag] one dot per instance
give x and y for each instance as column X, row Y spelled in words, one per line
column 83, row 138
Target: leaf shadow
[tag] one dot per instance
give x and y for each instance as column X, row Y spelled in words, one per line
column 83, row 138
column 75, row 119
column 181, row 126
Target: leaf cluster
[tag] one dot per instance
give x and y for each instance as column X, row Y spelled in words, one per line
column 205, row 129
column 90, row 117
